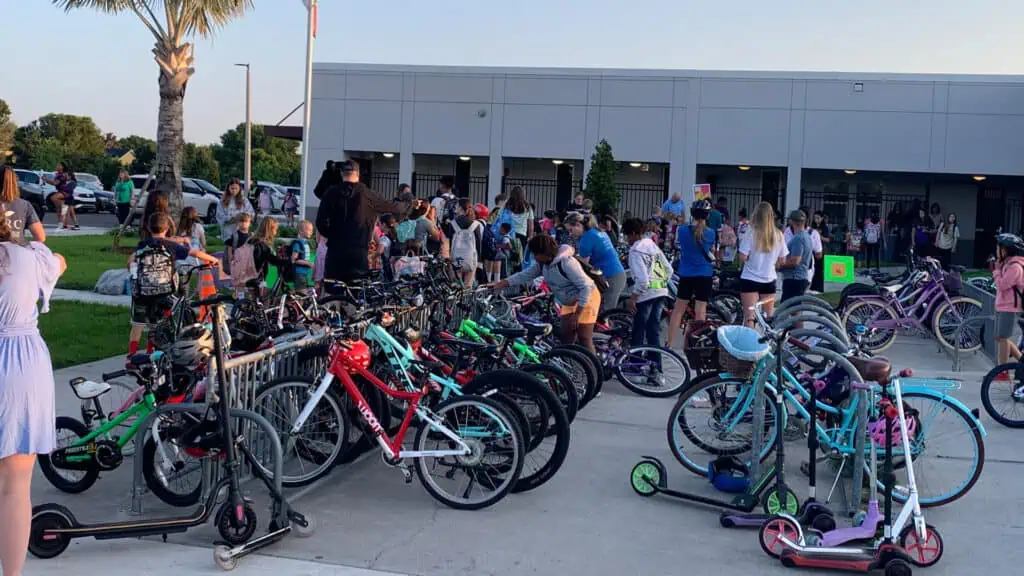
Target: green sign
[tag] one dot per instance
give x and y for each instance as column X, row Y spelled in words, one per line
column 839, row 269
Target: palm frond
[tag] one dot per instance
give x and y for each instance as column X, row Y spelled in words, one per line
column 204, row 17
column 181, row 18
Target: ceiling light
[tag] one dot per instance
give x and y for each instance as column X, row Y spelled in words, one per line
column 744, row 168
column 636, row 164
column 557, row 162
column 978, row 178
column 851, row 172
column 464, row 158
column 389, row 154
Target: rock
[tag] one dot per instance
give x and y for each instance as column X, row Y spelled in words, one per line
column 112, row 282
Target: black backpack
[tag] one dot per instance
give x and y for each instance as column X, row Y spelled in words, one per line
column 156, row 275
column 450, row 208
column 593, row 273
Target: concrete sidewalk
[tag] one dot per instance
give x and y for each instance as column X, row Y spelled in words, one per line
column 91, row 297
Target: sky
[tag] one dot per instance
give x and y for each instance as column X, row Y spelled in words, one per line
column 100, row 65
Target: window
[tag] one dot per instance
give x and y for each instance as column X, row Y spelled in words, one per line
column 189, row 187
column 28, row 177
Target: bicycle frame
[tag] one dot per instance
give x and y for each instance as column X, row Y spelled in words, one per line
column 474, row 331
column 927, row 297
column 140, row 409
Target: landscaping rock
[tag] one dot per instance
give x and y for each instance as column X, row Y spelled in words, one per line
column 112, row 282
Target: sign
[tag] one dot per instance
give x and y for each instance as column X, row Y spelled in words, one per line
column 702, row 191
column 839, row 269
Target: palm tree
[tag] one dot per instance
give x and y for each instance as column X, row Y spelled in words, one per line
column 179, row 19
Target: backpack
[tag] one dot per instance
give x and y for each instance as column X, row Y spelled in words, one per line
column 156, row 275
column 489, row 244
column 405, row 231
column 593, row 273
column 243, row 266
column 871, row 232
column 451, row 206
column 463, row 247
column 515, row 253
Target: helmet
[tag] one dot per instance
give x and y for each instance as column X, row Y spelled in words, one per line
column 729, row 474
column 1011, row 241
column 192, row 347
column 876, row 429
column 700, row 209
column 481, row 211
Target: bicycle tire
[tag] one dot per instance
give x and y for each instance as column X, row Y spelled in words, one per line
column 889, row 340
column 92, row 472
column 324, row 461
column 579, row 368
column 666, row 393
column 986, row 393
column 560, row 383
column 942, row 309
column 158, row 488
column 602, row 374
column 556, row 425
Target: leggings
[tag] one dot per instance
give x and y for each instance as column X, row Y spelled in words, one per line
column 872, row 251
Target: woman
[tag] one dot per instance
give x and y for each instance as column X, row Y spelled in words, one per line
column 123, row 190
column 65, row 182
column 946, row 238
column 518, row 213
column 572, row 288
column 761, row 252
column 232, row 205
column 695, row 243
column 27, row 274
column 595, row 248
column 422, row 216
column 820, row 237
column 20, row 214
column 922, row 231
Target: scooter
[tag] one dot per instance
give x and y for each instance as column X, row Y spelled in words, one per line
column 54, row 526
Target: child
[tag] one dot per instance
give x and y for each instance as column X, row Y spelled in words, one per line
column 291, row 206
column 854, row 239
column 387, row 226
column 156, row 280
column 727, row 240
column 651, row 272
column 1008, row 275
column 266, row 202
column 302, row 258
column 321, row 257
column 504, row 248
column 189, row 227
column 251, row 261
column 410, row 265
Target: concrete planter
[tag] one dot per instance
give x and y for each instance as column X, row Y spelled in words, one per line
column 988, row 303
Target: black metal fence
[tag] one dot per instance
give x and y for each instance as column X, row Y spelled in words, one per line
column 1012, row 222
column 478, row 189
column 425, row 185
column 543, row 193
column 385, row 183
column 737, row 199
column 640, row 200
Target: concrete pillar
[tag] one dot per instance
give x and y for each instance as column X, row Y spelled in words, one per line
column 793, row 178
column 795, row 165
column 689, row 160
column 406, row 158
column 495, row 172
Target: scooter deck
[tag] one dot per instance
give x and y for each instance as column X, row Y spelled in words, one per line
column 131, row 529
column 733, row 505
column 846, row 559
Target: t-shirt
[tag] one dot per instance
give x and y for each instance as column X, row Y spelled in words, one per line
column 676, row 208
column 180, row 251
column 691, row 258
column 302, row 251
column 715, row 219
column 518, row 221
column 123, row 190
column 816, row 245
column 800, row 244
column 743, row 230
column 20, row 215
column 596, row 245
column 424, row 230
column 760, row 266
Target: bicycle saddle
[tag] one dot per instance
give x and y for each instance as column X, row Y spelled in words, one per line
column 537, row 329
column 511, row 332
column 872, row 369
column 139, row 360
column 892, row 288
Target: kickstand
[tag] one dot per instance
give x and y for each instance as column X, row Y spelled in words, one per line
column 839, row 476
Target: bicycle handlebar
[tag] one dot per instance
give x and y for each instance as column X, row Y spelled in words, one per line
column 115, row 374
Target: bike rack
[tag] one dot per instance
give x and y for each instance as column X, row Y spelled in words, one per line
column 960, row 330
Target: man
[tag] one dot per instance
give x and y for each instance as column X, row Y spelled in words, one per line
column 445, row 195
column 796, row 269
column 722, row 207
column 346, row 217
column 404, row 191
column 329, row 177
column 817, row 247
column 577, row 203
column 673, row 205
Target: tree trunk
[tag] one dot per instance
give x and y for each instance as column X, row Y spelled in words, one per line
column 175, row 71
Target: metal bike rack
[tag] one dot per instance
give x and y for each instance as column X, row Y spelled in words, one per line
column 965, row 325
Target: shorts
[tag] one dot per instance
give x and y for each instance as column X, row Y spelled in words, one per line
column 151, row 311
column 588, row 315
column 792, row 287
column 1005, row 322
column 694, row 288
column 762, row 288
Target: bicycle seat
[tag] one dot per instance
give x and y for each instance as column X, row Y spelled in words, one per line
column 513, row 332
column 88, row 389
column 139, row 360
column 958, row 268
column 535, row 330
column 872, row 369
column 892, row 288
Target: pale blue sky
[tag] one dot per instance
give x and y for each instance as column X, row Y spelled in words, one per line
column 100, row 65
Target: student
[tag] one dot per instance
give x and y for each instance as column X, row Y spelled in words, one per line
column 192, row 231
column 796, row 271
column 761, row 253
column 1008, row 275
column 595, row 248
column 696, row 244
column 946, row 238
column 874, row 237
column 467, row 241
column 291, row 206
column 302, row 258
column 17, row 212
column 321, row 259
column 651, row 272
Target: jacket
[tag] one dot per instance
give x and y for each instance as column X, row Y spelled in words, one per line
column 346, row 218
column 574, row 287
column 651, row 270
column 1009, row 281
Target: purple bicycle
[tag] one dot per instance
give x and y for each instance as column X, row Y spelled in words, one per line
column 927, row 303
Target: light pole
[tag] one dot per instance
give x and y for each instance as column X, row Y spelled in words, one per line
column 311, row 17
column 248, row 128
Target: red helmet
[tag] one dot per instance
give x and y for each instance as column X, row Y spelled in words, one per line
column 481, row 211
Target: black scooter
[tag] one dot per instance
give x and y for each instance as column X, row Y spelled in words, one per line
column 54, row 526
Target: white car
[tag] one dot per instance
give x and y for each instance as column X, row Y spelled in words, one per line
column 85, row 200
column 193, row 195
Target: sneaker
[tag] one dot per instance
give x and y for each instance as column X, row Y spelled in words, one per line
column 76, row 227
column 1002, row 377
column 656, row 379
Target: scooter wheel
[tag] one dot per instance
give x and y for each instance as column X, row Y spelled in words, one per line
column 823, row 523
column 772, row 505
column 898, row 567
column 49, row 517
column 223, row 558
column 772, row 531
column 922, row 553
column 230, row 530
column 306, row 531
column 646, row 477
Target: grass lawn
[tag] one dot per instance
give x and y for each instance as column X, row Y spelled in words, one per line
column 77, row 333
column 830, row 297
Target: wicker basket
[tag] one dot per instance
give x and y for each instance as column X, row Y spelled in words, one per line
column 739, row 368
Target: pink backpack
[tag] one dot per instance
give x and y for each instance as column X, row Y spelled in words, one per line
column 243, row 266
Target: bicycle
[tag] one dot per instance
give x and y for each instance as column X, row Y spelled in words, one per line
column 992, row 384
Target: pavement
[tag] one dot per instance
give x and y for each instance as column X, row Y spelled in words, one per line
column 91, row 297
column 587, row 520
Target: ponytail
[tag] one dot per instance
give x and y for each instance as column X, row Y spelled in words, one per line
column 698, row 231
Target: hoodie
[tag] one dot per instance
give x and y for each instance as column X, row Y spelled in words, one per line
column 1009, row 280
column 650, row 269
column 564, row 276
column 346, row 218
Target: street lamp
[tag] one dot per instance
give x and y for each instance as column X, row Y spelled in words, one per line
column 248, row 127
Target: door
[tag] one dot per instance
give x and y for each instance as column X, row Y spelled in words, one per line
column 563, row 186
column 366, row 171
column 990, row 214
column 771, row 181
column 462, row 170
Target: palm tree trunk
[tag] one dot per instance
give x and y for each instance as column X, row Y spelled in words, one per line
column 170, row 138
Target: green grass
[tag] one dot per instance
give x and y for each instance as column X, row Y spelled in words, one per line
column 830, row 297
column 77, row 333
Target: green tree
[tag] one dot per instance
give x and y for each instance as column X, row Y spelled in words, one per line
column 58, row 137
column 6, row 131
column 144, row 149
column 199, row 162
column 600, row 185
column 181, row 19
column 273, row 159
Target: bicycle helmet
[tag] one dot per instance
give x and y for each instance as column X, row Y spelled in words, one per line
column 481, row 211
column 876, row 429
column 729, row 474
column 1011, row 241
column 192, row 347
column 700, row 209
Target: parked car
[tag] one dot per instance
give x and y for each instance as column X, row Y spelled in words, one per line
column 32, row 189
column 85, row 199
column 276, row 195
column 105, row 201
column 193, row 195
column 90, row 181
column 211, row 211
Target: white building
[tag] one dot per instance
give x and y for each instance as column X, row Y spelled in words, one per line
column 848, row 144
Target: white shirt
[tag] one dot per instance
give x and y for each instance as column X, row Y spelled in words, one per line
column 760, row 266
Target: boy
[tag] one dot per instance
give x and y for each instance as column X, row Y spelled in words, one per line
column 651, row 272
column 504, row 248
column 302, row 255
column 156, row 280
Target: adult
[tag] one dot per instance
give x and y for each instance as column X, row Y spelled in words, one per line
column 346, row 217
column 426, row 230
column 467, row 241
column 65, row 182
column 817, row 245
column 123, row 190
column 229, row 211
column 329, row 177
column 946, row 237
column 595, row 248
column 28, row 274
column 577, row 203
column 796, row 273
column 935, row 216
column 576, row 293
column 696, row 243
column 518, row 214
column 20, row 215
column 722, row 207
column 445, row 199
column 922, row 231
column 761, row 252
column 674, row 206
column 819, row 226
column 404, row 192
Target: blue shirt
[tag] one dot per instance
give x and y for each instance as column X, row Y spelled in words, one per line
column 596, row 245
column 677, row 208
column 799, row 245
column 691, row 259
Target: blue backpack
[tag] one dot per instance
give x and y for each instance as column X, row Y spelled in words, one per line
column 489, row 244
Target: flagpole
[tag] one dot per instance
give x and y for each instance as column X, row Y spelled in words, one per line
column 311, row 8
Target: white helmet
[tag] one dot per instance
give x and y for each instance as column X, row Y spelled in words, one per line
column 192, row 347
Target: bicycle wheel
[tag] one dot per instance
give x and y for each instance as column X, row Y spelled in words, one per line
column 616, row 318
column 549, row 440
column 593, row 359
column 653, row 371
column 725, row 406
column 178, row 483
column 948, row 319
column 559, row 381
column 864, row 313
column 579, row 369
column 493, row 465
column 1008, row 392
column 69, row 432
column 316, row 448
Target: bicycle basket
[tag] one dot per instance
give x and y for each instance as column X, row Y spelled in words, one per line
column 739, row 350
column 952, row 283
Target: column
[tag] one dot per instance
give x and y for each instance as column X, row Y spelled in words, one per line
column 496, row 159
column 689, row 160
column 795, row 166
column 495, row 173
column 406, row 157
column 794, row 172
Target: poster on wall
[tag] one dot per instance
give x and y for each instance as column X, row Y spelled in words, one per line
column 702, row 191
